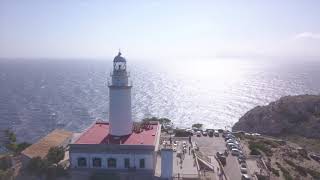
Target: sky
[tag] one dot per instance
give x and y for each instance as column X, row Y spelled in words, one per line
column 159, row 29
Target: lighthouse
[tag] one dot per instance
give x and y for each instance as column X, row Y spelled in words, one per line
column 114, row 145
column 120, row 116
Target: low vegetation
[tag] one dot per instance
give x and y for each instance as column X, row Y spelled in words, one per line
column 285, row 172
column 5, row 163
column 48, row 166
column 162, row 121
column 12, row 144
column 197, row 125
column 55, row 154
column 6, row 175
column 6, row 172
column 255, row 146
column 303, row 171
column 275, row 172
column 181, row 133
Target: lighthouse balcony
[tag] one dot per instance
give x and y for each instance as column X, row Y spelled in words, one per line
column 120, row 73
column 124, row 84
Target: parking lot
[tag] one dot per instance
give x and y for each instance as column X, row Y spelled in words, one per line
column 210, row 146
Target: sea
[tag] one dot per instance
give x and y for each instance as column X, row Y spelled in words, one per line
column 40, row 95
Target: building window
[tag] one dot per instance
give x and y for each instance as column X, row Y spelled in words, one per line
column 96, row 162
column 112, row 163
column 126, row 163
column 82, row 162
column 142, row 163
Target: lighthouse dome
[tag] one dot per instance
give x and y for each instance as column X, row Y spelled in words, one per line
column 119, row 58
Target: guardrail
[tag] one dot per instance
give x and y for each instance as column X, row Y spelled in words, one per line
column 221, row 167
column 182, row 176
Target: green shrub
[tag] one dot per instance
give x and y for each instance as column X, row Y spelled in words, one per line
column 298, row 168
column 197, row 125
column 37, row 166
column 273, row 144
column 11, row 136
column 253, row 146
column 55, row 154
column 162, row 121
column 22, row 146
column 181, row 133
column 5, row 163
column 255, row 152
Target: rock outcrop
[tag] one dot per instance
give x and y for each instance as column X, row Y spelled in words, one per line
column 290, row 115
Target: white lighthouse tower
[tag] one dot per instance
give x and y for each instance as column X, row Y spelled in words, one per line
column 120, row 117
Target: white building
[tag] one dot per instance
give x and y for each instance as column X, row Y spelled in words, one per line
column 114, row 145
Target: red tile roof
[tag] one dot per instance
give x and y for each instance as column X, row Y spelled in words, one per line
column 98, row 133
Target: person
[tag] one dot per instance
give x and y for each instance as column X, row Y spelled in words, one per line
column 189, row 150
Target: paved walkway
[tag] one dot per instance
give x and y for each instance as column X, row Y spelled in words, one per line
column 185, row 166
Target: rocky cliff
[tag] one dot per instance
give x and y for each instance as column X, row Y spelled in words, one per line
column 290, row 115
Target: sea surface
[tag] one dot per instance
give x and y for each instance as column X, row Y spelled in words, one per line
column 37, row 96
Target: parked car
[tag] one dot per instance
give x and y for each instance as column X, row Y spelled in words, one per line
column 229, row 144
column 315, row 157
column 245, row 177
column 241, row 160
column 198, row 133
column 243, row 170
column 243, row 165
column 235, row 152
column 210, row 133
column 184, row 143
column 174, row 149
column 234, row 146
column 216, row 133
column 204, row 133
column 222, row 158
column 232, row 141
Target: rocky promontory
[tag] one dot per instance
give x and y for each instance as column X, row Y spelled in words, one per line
column 290, row 115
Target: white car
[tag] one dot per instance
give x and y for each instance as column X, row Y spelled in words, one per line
column 235, row 152
column 184, row 142
column 245, row 177
column 174, row 148
column 243, row 170
column 230, row 144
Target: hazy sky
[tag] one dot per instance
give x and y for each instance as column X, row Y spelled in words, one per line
column 165, row 29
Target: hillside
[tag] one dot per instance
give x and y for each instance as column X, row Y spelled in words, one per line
column 290, row 115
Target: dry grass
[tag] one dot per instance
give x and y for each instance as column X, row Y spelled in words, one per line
column 307, row 143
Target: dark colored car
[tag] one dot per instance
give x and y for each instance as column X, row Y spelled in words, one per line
column 220, row 130
column 315, row 157
column 222, row 158
column 210, row 133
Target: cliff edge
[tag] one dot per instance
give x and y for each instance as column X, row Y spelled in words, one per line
column 290, row 115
